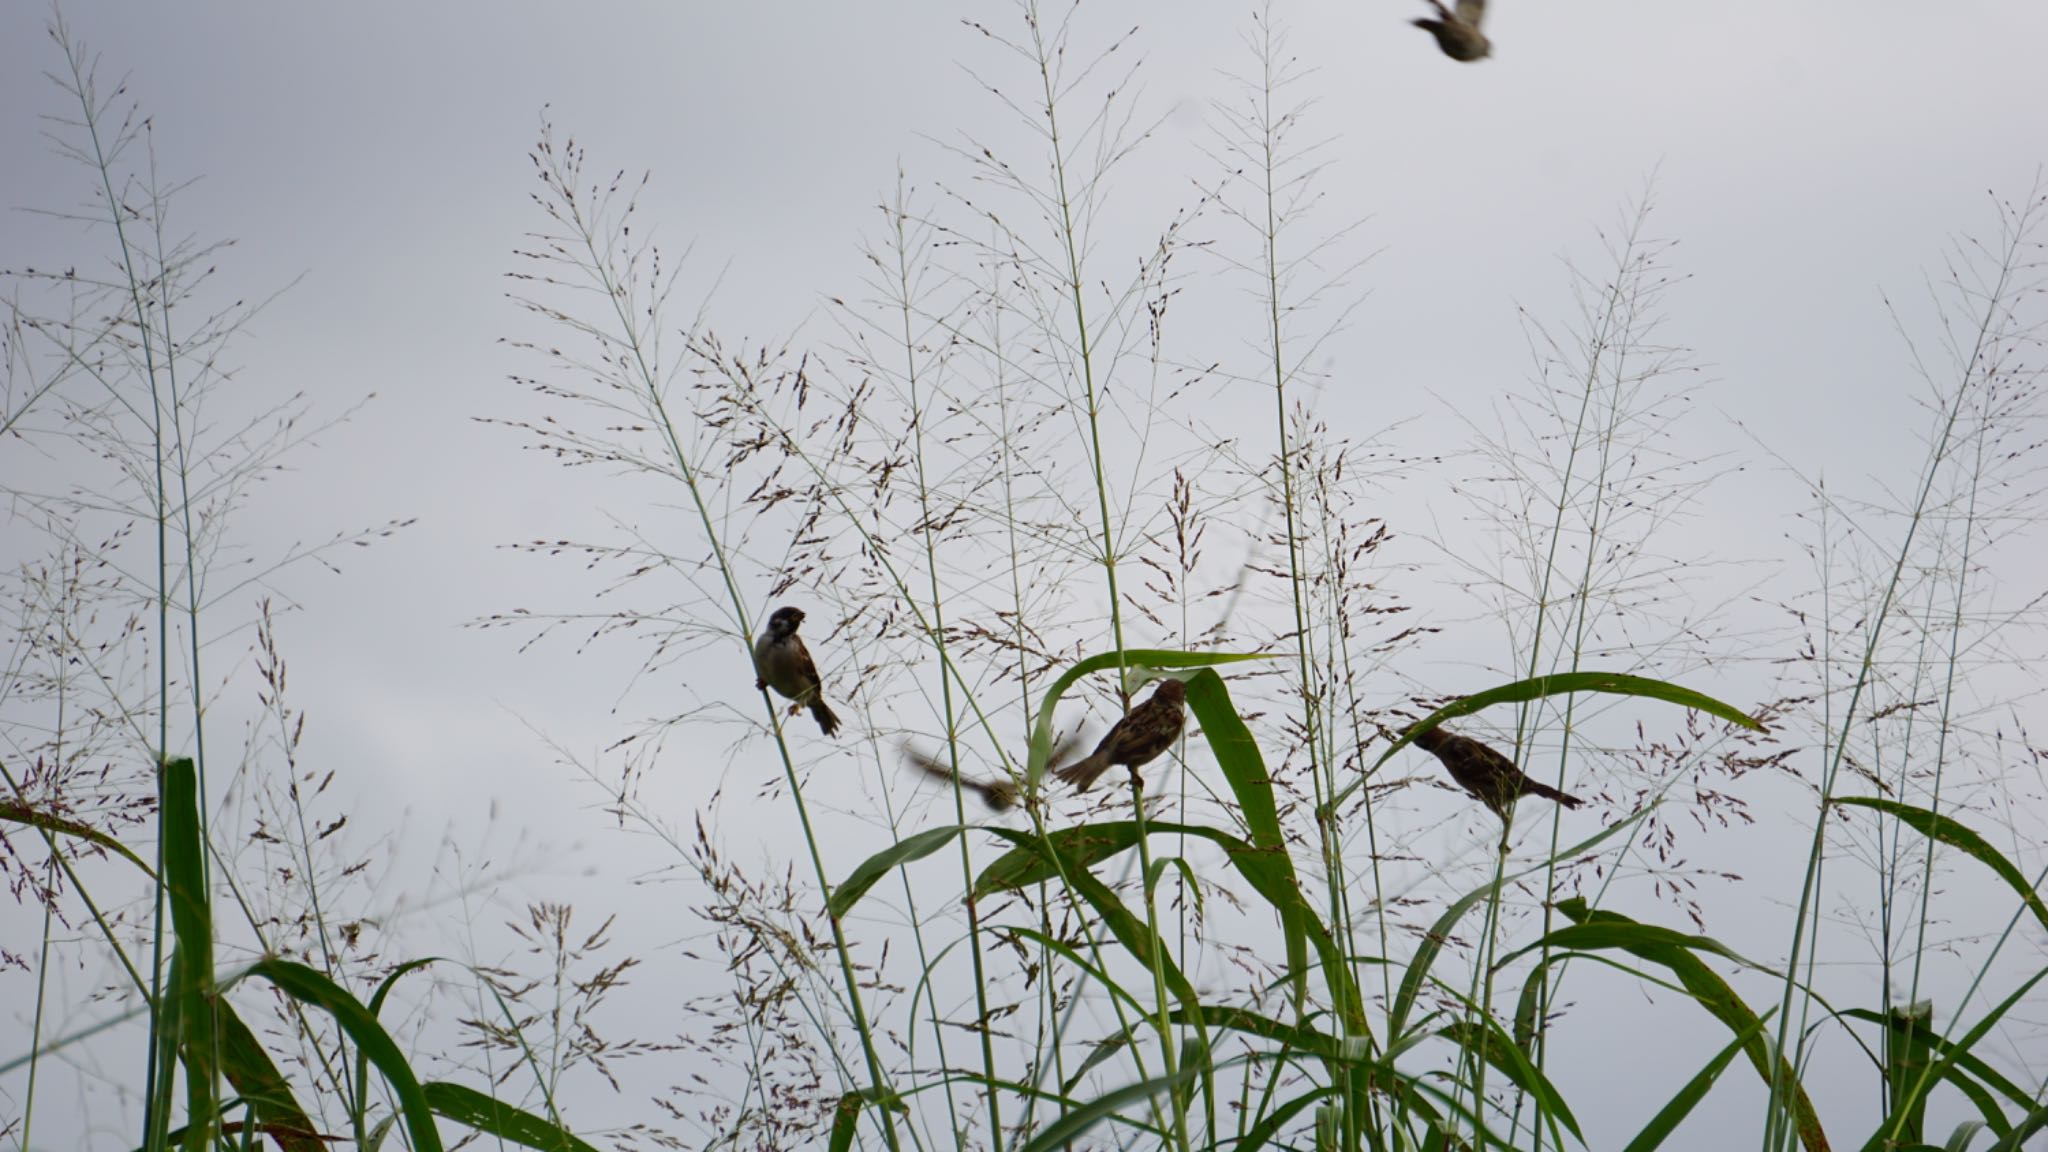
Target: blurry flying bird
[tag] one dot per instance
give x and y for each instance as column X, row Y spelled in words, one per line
column 999, row 794
column 1457, row 33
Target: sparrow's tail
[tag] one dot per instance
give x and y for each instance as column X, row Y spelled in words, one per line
column 827, row 722
column 1533, row 788
column 1083, row 772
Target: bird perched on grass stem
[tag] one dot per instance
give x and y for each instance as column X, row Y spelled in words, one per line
column 1485, row 773
column 783, row 663
column 1138, row 738
column 1457, row 33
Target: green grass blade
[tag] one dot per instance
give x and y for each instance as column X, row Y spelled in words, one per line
column 360, row 1106
column 1712, row 993
column 1081, row 963
column 845, row 1122
column 1299, row 1037
column 1129, row 930
column 1077, row 1122
column 1085, row 844
column 2013, row 1141
column 1935, row 826
column 1417, row 973
column 849, row 891
column 255, row 1078
column 308, row 986
column 1627, row 936
column 1261, row 1134
column 1132, row 933
column 23, row 814
column 1244, row 769
column 472, row 1108
column 1522, row 691
column 1675, row 1110
column 1959, row 1140
column 1102, row 1051
column 191, row 983
column 1500, row 1051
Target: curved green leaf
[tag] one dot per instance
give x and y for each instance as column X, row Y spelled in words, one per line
column 849, row 891
column 1299, row 1037
column 1244, row 769
column 492, row 1117
column 1110, row 1104
column 1959, row 1140
column 191, row 980
column 1675, row 1110
column 361, row 1104
column 1073, row 956
column 1433, row 941
column 1628, row 935
column 1261, row 1134
column 1935, row 826
column 309, row 986
column 2012, row 1141
column 1497, row 1049
column 1085, row 844
column 1957, row 1066
column 1522, row 691
column 23, row 814
column 1713, row 994
column 845, row 1122
column 255, row 1078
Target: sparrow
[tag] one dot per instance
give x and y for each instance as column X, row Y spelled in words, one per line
column 1485, row 773
column 783, row 663
column 999, row 794
column 1137, row 739
column 1457, row 33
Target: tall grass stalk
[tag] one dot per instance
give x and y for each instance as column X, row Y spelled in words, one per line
column 1995, row 331
column 592, row 249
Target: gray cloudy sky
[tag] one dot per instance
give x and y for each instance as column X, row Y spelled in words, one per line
column 1809, row 159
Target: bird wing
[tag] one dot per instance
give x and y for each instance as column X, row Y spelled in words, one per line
column 806, row 669
column 1471, row 11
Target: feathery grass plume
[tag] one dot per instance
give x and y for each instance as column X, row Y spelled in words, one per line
column 1913, row 664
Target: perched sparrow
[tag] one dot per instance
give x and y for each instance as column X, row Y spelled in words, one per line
column 1485, row 773
column 783, row 663
column 1457, row 33
column 1137, row 739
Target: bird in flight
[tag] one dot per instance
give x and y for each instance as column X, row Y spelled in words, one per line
column 1457, row 32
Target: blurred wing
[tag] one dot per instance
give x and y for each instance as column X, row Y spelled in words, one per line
column 1472, row 11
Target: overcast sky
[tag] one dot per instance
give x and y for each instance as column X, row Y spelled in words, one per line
column 1809, row 159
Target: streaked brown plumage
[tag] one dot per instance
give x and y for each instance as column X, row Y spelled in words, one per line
column 1485, row 773
column 1457, row 33
column 999, row 794
column 1138, row 739
column 783, row 663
